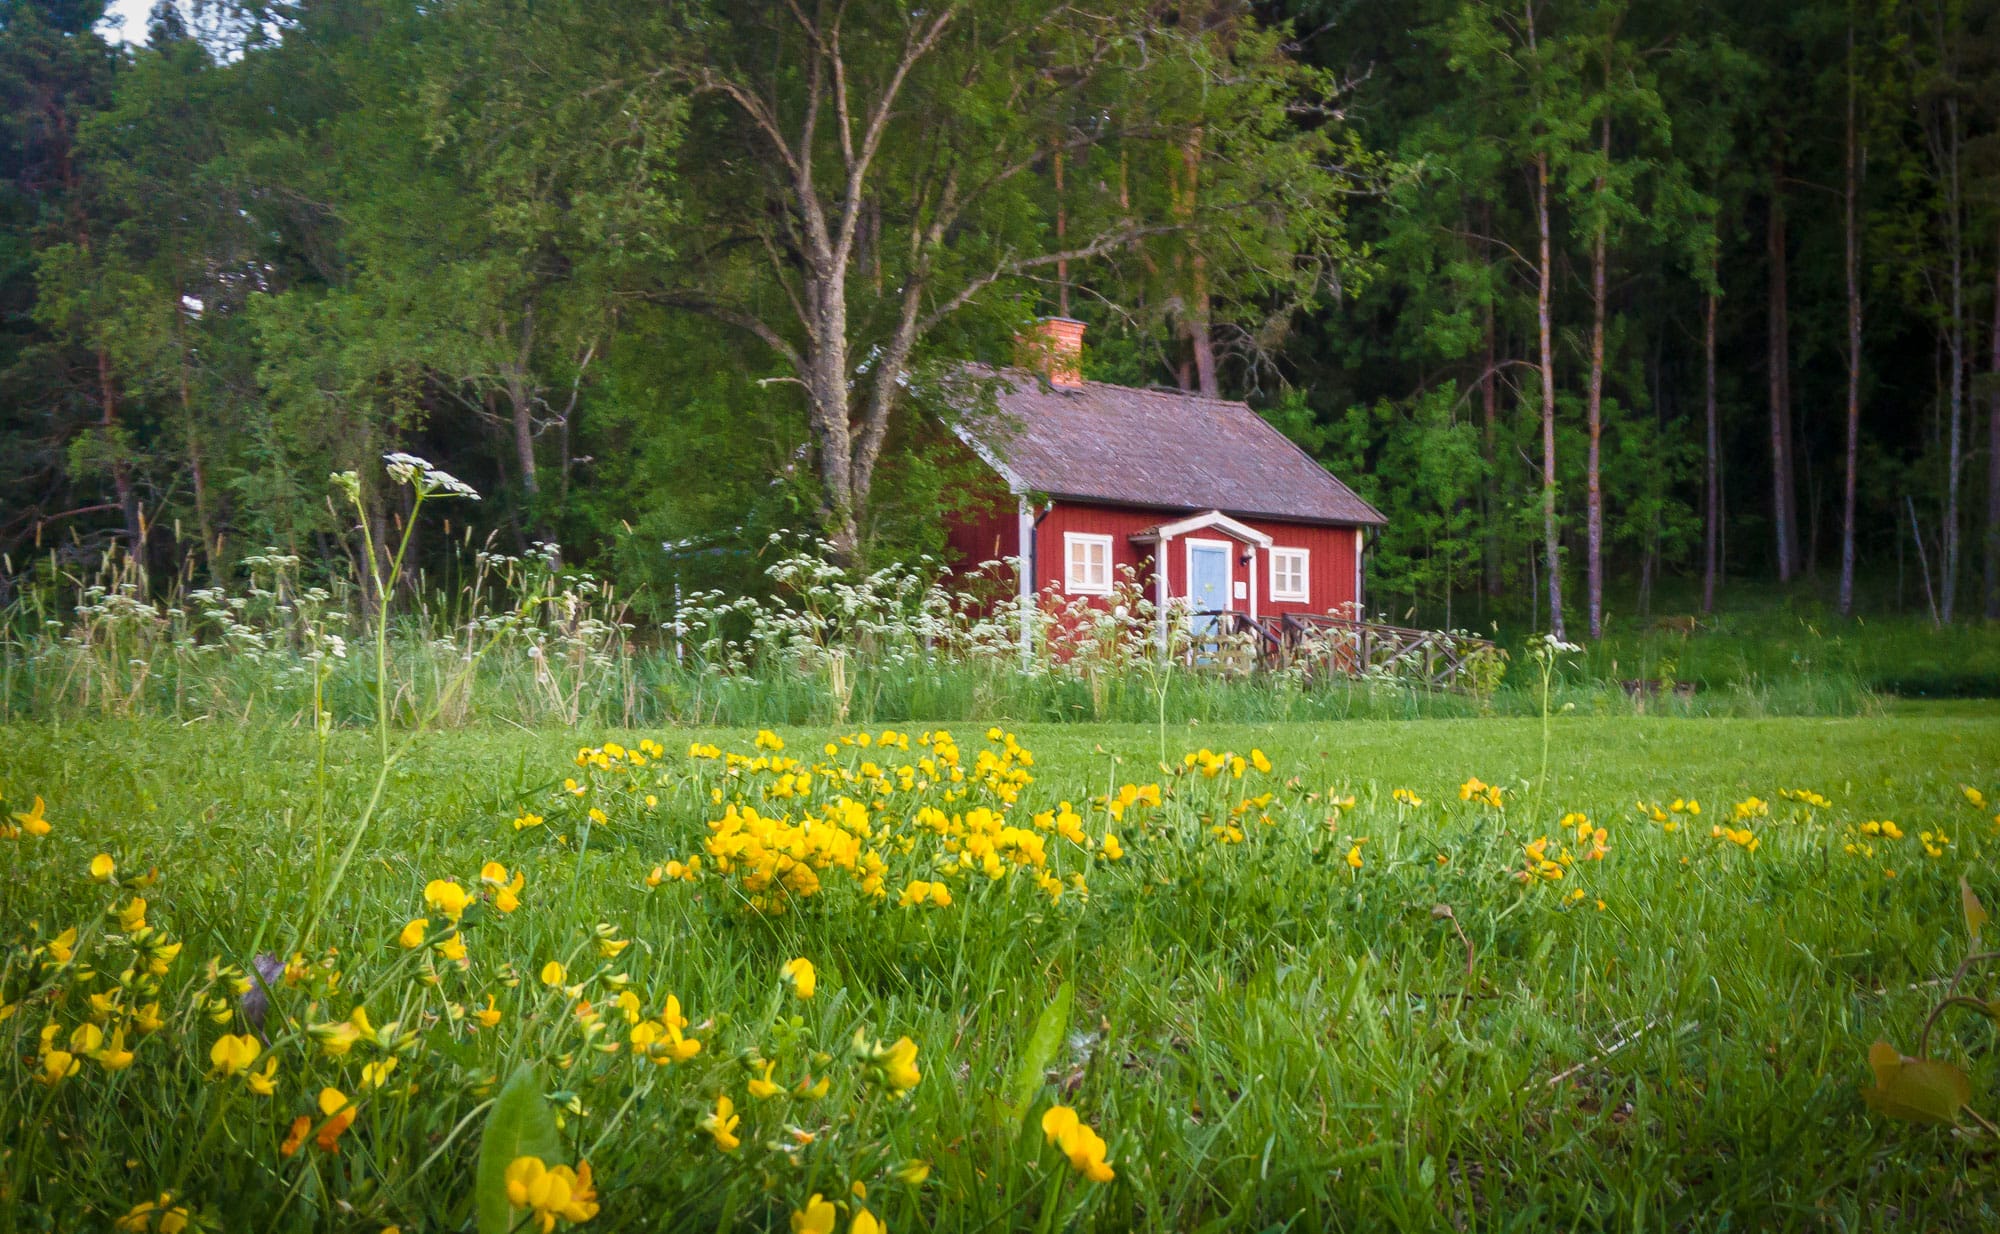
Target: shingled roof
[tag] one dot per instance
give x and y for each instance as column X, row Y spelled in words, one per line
column 1154, row 448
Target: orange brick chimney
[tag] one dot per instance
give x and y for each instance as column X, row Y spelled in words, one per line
column 1055, row 349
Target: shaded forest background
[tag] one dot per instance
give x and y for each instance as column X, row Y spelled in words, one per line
column 1686, row 301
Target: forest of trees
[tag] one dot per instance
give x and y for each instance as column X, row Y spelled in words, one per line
column 1594, row 298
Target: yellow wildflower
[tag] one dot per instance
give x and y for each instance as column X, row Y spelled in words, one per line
column 550, row 1192
column 412, row 936
column 722, row 1123
column 162, row 1216
column 114, row 1057
column 102, row 868
column 506, row 891
column 57, row 1066
column 447, row 897
column 233, row 1053
column 263, row 1082
column 339, row 1112
column 817, row 1217
column 800, row 976
column 1083, row 1146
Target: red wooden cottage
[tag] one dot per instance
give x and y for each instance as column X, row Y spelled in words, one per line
column 1104, row 476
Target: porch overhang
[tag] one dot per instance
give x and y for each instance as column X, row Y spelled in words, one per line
column 1208, row 520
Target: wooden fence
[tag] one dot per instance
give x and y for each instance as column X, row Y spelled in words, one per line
column 1342, row 645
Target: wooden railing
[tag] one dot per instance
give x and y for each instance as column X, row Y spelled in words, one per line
column 1321, row 643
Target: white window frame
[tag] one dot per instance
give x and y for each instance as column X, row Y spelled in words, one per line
column 1303, row 593
column 1075, row 585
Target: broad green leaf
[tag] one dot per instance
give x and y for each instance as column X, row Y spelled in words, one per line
column 1918, row 1090
column 1975, row 912
column 521, row 1124
column 1040, row 1049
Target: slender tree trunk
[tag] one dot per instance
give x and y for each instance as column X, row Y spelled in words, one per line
column 1784, row 509
column 121, row 468
column 211, row 550
column 1545, row 328
column 1062, row 240
column 1853, row 269
column 1593, row 483
column 1201, row 341
column 1711, row 571
column 1993, row 459
column 521, row 399
column 1955, row 449
column 826, row 386
column 1489, row 406
column 198, row 472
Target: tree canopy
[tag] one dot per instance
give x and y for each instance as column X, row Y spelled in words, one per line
column 1593, row 298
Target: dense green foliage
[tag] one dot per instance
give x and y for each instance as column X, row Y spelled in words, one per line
column 696, row 274
column 1265, row 1033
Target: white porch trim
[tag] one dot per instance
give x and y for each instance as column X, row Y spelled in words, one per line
column 1214, row 520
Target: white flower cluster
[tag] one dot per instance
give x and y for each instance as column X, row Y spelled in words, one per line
column 426, row 477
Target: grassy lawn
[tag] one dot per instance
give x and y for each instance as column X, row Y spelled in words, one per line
column 1265, row 1034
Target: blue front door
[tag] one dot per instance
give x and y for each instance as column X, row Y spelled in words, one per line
column 1208, row 582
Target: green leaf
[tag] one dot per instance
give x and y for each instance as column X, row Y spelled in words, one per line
column 1975, row 912
column 1036, row 1055
column 520, row 1125
column 1917, row 1090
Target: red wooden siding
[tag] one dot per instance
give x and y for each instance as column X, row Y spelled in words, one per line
column 1120, row 524
column 987, row 529
column 1330, row 561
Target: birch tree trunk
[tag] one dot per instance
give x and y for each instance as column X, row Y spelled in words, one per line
column 1993, row 459
column 1955, row 345
column 521, row 400
column 121, row 469
column 1784, row 510
column 1545, row 329
column 1712, row 464
column 1489, row 406
column 1853, row 271
column 1594, row 488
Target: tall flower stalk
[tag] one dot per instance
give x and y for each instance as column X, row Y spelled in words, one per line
column 425, row 482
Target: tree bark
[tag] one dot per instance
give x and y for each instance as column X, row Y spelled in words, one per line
column 1062, row 241
column 1784, row 506
column 1711, row 572
column 1195, row 317
column 1955, row 344
column 1489, row 406
column 1593, row 483
column 121, row 468
column 1545, row 329
column 211, row 550
column 1852, row 257
column 521, row 399
column 1993, row 459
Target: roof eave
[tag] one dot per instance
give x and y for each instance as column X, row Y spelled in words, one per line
column 1098, row 499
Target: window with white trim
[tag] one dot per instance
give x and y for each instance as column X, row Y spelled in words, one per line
column 1289, row 574
column 1087, row 561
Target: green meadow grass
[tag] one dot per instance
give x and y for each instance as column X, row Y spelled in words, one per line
column 1268, row 1038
